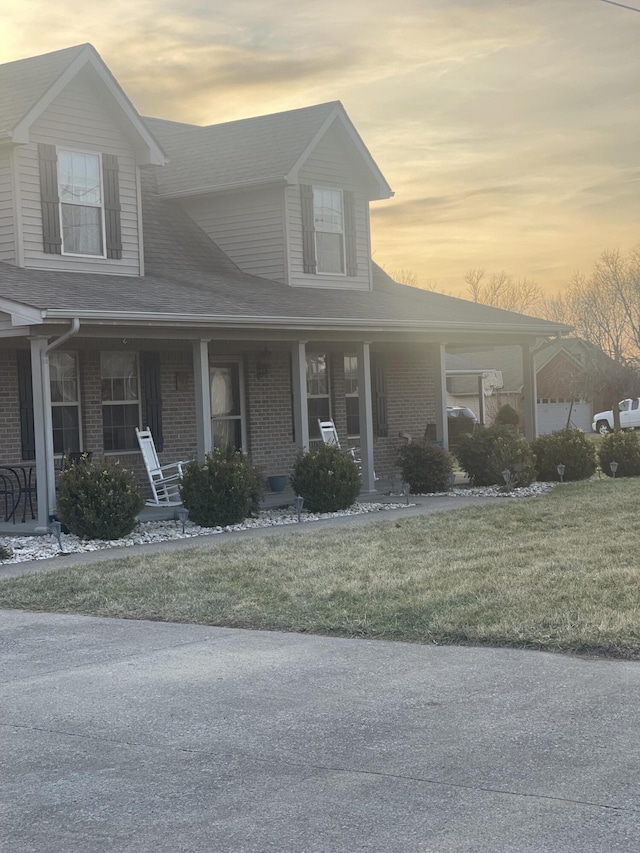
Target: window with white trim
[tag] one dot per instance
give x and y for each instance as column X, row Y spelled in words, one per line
column 328, row 221
column 318, row 397
column 81, row 203
column 120, row 391
column 351, row 395
column 65, row 402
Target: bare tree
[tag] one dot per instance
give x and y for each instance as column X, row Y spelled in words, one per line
column 502, row 290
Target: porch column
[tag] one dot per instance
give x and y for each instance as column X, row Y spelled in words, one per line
column 202, row 392
column 299, row 385
column 40, row 413
column 481, row 405
column 440, row 394
column 529, row 393
column 365, row 411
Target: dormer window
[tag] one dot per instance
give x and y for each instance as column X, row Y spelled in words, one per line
column 80, row 202
column 328, row 221
column 80, row 189
column 328, row 231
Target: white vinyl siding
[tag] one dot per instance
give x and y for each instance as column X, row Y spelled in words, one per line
column 79, row 120
column 248, row 225
column 332, row 164
column 7, row 231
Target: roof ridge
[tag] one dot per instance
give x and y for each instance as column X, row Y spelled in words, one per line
column 217, row 125
column 77, row 48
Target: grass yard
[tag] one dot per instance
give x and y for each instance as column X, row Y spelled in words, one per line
column 559, row 572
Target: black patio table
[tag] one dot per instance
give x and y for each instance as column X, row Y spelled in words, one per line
column 18, row 485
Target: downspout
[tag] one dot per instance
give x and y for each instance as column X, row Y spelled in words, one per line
column 48, row 425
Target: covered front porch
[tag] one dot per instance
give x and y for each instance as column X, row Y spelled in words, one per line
column 85, row 386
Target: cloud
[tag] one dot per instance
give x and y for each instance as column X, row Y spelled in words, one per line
column 509, row 131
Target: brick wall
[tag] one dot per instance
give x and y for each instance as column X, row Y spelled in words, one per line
column 409, row 381
column 409, row 378
column 10, row 446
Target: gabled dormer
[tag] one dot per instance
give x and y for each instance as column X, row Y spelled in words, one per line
column 71, row 145
column 286, row 196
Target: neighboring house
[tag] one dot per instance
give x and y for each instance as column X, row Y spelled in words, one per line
column 562, row 382
column 213, row 283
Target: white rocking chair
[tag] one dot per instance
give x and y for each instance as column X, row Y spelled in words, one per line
column 165, row 486
column 329, row 435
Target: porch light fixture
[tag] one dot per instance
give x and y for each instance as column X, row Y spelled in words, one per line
column 55, row 528
column 406, row 488
column 614, row 468
column 263, row 364
column 182, row 514
column 561, row 469
column 298, row 501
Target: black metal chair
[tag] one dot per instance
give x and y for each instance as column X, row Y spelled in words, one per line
column 8, row 487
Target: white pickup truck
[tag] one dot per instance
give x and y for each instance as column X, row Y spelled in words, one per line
column 629, row 417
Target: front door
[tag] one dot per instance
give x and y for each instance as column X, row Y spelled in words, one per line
column 227, row 405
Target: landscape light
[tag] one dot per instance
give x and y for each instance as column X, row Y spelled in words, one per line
column 561, row 469
column 298, row 501
column 406, row 488
column 182, row 514
column 506, row 476
column 614, row 468
column 55, row 529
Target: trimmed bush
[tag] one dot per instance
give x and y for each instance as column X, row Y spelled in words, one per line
column 489, row 451
column 327, row 478
column 622, row 447
column 569, row 447
column 507, row 416
column 459, row 427
column 220, row 491
column 425, row 466
column 5, row 552
column 98, row 499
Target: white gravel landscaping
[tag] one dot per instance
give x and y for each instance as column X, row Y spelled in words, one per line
column 25, row 548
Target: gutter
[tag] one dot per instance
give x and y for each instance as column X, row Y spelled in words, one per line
column 241, row 322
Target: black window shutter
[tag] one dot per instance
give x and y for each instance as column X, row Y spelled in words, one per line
column 25, row 398
column 381, row 422
column 309, row 264
column 150, row 363
column 49, row 199
column 111, row 182
column 350, row 232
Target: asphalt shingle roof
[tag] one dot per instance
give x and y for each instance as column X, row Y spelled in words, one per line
column 188, row 275
column 24, row 82
column 248, row 151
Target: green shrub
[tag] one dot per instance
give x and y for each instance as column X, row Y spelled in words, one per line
column 459, row 427
column 221, row 490
column 98, row 499
column 327, row 478
column 507, row 416
column 489, row 451
column 5, row 552
column 569, row 447
column 624, row 448
column 425, row 466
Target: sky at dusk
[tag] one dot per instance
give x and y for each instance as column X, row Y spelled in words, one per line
column 509, row 131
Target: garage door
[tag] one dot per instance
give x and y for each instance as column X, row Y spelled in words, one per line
column 553, row 415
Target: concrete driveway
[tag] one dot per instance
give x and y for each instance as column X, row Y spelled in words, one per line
column 138, row 736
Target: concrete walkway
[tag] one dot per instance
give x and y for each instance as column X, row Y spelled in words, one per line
column 424, row 505
column 121, row 736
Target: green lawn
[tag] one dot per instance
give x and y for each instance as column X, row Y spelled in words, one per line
column 559, row 572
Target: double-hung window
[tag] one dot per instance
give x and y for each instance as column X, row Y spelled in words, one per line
column 120, row 389
column 65, row 401
column 318, row 400
column 351, row 395
column 81, row 203
column 328, row 220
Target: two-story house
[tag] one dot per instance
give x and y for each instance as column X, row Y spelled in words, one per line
column 214, row 283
